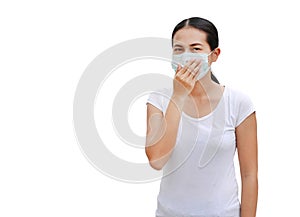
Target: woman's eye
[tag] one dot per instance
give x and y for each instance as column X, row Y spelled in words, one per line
column 177, row 49
column 197, row 48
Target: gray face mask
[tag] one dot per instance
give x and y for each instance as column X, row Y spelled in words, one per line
column 183, row 58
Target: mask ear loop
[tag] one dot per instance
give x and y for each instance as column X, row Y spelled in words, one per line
column 211, row 52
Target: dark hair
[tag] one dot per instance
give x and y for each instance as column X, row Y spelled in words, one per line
column 202, row 24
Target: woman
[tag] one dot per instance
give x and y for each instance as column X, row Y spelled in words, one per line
column 194, row 130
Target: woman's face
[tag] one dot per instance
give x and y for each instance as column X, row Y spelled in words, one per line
column 190, row 39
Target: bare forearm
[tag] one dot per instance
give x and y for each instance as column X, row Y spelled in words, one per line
column 249, row 196
column 161, row 145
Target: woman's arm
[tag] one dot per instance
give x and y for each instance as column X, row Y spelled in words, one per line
column 246, row 138
column 162, row 131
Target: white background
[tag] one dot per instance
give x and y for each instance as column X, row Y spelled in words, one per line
column 46, row 45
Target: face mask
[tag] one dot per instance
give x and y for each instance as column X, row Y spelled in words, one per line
column 183, row 58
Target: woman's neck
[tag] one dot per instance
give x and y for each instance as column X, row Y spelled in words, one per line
column 204, row 87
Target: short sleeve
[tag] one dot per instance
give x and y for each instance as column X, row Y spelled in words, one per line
column 159, row 99
column 245, row 108
column 156, row 99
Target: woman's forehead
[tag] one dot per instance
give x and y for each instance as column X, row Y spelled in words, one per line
column 189, row 36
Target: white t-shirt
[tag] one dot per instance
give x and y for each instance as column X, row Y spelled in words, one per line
column 199, row 178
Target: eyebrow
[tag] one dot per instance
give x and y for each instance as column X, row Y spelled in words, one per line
column 196, row 43
column 177, row 45
column 193, row 44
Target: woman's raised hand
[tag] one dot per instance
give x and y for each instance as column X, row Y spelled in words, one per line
column 185, row 78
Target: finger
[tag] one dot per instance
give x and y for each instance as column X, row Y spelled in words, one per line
column 186, row 70
column 191, row 62
column 192, row 74
column 197, row 63
column 196, row 70
column 179, row 67
column 195, row 75
column 194, row 64
column 180, row 71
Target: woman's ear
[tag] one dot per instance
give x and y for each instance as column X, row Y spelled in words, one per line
column 215, row 54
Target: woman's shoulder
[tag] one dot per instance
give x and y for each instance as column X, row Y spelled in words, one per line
column 160, row 98
column 165, row 90
column 240, row 103
column 162, row 93
column 237, row 94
